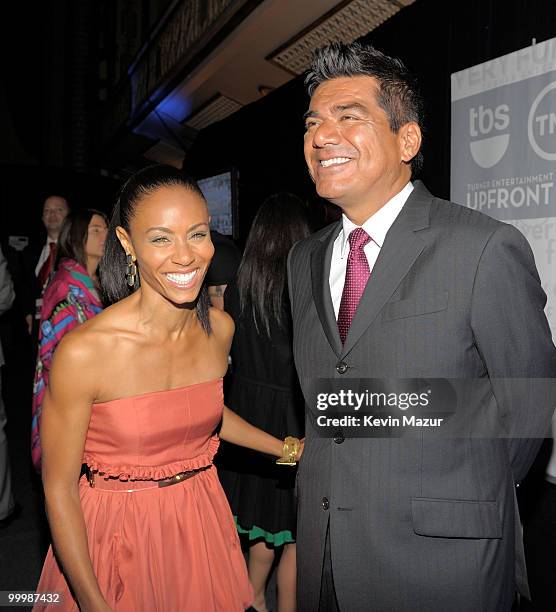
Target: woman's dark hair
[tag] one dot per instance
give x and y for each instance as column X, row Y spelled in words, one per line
column 280, row 222
column 399, row 93
column 73, row 235
column 113, row 265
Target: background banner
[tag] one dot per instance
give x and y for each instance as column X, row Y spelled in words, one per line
column 503, row 151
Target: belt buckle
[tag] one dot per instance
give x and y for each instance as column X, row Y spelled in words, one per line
column 176, row 479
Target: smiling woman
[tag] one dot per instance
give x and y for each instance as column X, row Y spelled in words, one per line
column 139, row 405
column 165, row 246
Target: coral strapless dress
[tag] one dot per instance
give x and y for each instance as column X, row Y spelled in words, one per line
column 173, row 548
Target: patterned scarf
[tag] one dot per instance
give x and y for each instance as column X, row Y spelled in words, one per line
column 69, row 300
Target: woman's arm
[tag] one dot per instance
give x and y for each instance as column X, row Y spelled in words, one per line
column 234, row 429
column 65, row 420
column 238, row 431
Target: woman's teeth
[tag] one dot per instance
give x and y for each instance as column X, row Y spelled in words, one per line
column 181, row 279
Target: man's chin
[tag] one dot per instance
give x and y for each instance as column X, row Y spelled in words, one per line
column 332, row 193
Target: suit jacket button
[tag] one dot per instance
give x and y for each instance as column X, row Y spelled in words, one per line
column 341, row 367
column 325, row 503
column 339, row 437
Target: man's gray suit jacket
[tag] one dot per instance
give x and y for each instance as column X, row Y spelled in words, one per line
column 423, row 524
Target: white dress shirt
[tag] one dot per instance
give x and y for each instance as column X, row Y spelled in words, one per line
column 44, row 255
column 377, row 227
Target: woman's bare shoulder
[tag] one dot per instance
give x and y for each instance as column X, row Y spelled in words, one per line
column 221, row 323
column 99, row 334
column 94, row 351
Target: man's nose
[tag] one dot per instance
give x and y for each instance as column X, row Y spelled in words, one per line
column 326, row 133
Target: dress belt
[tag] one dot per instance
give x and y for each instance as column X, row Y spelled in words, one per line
column 114, row 484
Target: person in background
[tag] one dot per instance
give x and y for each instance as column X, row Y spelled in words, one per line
column 39, row 262
column 265, row 392
column 69, row 299
column 223, row 267
column 8, row 508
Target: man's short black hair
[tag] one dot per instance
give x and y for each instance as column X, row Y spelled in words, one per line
column 399, row 94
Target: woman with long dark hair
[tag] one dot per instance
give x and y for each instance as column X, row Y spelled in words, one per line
column 136, row 395
column 70, row 298
column 266, row 393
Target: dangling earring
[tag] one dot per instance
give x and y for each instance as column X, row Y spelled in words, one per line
column 131, row 271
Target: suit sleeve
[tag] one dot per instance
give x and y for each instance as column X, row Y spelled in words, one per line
column 7, row 294
column 513, row 337
column 31, row 289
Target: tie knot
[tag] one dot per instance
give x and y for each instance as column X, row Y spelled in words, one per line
column 358, row 238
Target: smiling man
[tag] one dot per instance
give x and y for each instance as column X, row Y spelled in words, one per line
column 409, row 286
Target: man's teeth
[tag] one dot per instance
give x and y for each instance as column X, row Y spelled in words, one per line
column 181, row 279
column 332, row 162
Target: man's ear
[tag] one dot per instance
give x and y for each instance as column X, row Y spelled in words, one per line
column 125, row 241
column 410, row 139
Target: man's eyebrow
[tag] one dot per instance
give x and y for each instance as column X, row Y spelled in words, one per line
column 340, row 108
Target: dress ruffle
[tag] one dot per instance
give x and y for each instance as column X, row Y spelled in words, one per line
column 154, row 472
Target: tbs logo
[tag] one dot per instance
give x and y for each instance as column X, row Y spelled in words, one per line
column 488, row 145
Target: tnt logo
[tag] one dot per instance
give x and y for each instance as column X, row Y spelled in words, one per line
column 541, row 125
column 485, row 125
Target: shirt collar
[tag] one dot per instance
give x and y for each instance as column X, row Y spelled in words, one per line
column 377, row 225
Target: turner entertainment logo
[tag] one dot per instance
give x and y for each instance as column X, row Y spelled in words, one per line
column 541, row 124
column 485, row 127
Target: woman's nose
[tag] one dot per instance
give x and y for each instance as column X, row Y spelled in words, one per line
column 183, row 254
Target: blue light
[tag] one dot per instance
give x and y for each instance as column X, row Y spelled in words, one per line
column 175, row 106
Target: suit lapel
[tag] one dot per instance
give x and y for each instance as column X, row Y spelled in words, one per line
column 320, row 272
column 401, row 248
